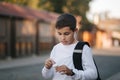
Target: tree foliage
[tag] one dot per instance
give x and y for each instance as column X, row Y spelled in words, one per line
column 76, row 7
column 19, row 2
column 29, row 3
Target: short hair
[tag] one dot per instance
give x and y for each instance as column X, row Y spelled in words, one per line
column 66, row 20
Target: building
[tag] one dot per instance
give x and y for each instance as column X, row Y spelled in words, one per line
column 108, row 34
column 24, row 31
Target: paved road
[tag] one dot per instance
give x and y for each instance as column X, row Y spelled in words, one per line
column 108, row 66
column 31, row 72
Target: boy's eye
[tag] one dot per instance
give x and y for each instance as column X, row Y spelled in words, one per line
column 59, row 33
column 66, row 33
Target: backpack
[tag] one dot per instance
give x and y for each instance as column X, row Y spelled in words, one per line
column 77, row 57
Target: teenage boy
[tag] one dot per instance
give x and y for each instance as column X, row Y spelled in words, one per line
column 60, row 64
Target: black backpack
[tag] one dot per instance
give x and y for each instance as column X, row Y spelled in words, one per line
column 77, row 57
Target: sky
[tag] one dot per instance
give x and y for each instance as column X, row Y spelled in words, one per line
column 100, row 6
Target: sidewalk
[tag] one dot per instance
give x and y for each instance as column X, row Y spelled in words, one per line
column 4, row 64
column 113, row 51
column 31, row 60
column 19, row 62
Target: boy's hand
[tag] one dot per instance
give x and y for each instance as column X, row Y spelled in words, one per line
column 48, row 63
column 63, row 69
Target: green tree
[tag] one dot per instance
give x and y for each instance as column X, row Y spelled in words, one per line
column 33, row 3
column 19, row 2
column 76, row 7
column 29, row 3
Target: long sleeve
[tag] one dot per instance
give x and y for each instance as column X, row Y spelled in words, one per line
column 47, row 73
column 89, row 71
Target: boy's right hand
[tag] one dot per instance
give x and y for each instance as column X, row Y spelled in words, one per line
column 49, row 63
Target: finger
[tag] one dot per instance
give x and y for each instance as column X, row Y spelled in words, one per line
column 59, row 69
column 63, row 67
column 48, row 64
column 53, row 62
column 63, row 72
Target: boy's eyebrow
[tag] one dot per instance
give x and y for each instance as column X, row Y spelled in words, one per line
column 64, row 33
column 59, row 32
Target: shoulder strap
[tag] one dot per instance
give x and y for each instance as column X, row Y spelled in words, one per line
column 77, row 54
column 77, row 57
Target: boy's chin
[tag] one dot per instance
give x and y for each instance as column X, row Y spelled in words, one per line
column 65, row 43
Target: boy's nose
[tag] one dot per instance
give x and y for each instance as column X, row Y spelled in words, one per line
column 63, row 37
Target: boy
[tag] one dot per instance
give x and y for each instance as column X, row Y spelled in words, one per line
column 60, row 64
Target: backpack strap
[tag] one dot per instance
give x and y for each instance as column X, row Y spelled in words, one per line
column 77, row 57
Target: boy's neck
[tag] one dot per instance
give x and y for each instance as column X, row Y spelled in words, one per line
column 74, row 41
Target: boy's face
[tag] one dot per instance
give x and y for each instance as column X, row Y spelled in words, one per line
column 65, row 35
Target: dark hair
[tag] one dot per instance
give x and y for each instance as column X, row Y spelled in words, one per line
column 66, row 20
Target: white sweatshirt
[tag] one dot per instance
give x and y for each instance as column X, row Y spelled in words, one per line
column 62, row 55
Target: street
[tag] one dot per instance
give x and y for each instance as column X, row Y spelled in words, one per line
column 107, row 65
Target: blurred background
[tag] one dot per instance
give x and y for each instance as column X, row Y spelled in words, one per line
column 27, row 34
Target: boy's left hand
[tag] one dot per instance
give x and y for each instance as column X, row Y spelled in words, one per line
column 64, row 70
